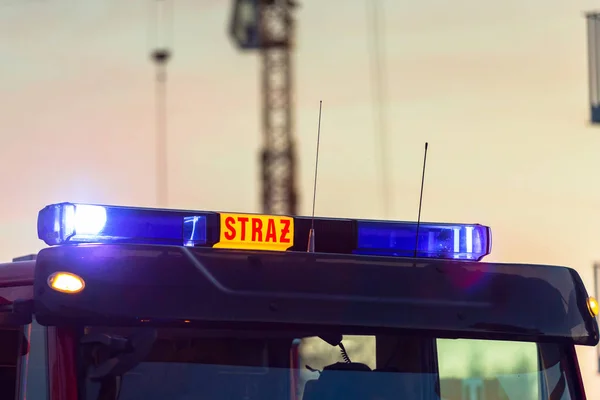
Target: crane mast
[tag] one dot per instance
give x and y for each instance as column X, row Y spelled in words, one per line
column 268, row 26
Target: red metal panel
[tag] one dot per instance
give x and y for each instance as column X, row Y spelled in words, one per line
column 61, row 364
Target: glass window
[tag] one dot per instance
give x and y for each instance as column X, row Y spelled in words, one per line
column 499, row 370
column 190, row 364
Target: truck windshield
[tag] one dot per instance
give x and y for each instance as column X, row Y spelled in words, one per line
column 198, row 365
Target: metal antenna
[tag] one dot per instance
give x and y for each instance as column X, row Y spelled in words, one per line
column 161, row 57
column 421, row 199
column 311, row 233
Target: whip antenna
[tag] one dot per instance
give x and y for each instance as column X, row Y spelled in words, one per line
column 311, row 233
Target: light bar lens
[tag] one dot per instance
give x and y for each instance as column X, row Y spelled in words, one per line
column 69, row 223
column 84, row 223
column 448, row 241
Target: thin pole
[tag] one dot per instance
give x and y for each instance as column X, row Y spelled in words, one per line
column 162, row 184
column 379, row 85
column 161, row 56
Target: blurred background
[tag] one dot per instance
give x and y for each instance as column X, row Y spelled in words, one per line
column 498, row 89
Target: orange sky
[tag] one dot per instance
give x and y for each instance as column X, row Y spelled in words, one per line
column 498, row 89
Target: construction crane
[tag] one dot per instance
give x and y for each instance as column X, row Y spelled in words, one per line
column 268, row 26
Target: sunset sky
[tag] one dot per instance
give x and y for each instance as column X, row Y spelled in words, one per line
column 498, row 89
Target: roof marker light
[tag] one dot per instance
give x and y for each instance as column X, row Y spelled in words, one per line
column 450, row 241
column 593, row 306
column 66, row 282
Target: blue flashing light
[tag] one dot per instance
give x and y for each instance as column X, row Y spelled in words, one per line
column 84, row 223
column 447, row 241
column 70, row 223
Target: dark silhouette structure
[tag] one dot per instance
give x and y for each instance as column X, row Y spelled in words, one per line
column 268, row 26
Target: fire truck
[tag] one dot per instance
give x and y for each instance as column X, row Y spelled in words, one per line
column 139, row 303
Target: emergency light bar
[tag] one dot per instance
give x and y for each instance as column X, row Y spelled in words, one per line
column 68, row 223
